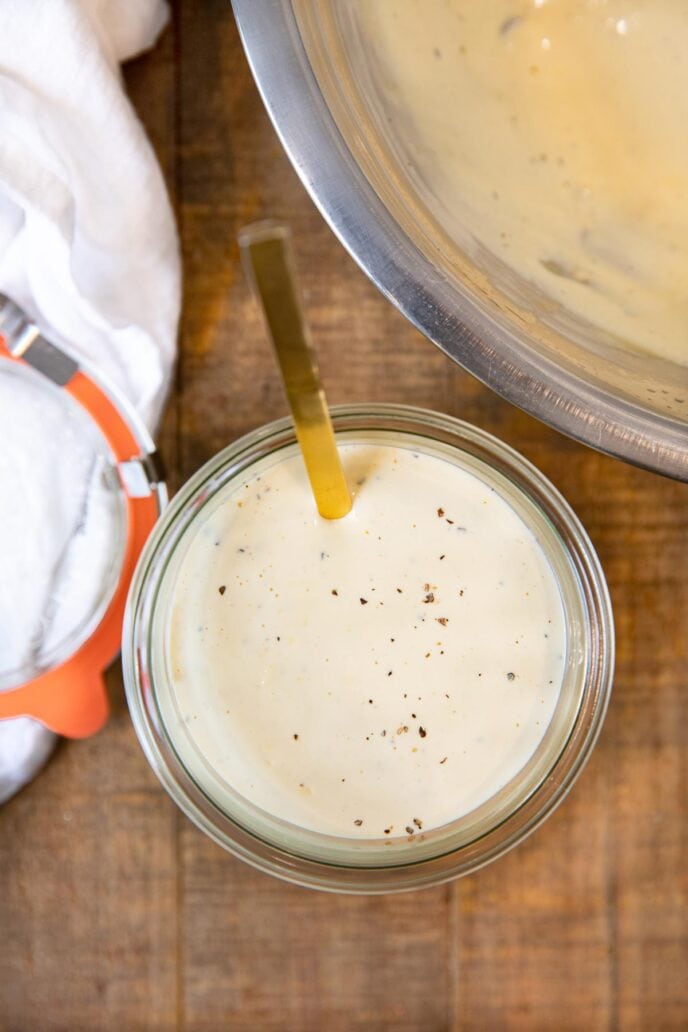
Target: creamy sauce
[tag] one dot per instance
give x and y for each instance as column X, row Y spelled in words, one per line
column 553, row 134
column 373, row 676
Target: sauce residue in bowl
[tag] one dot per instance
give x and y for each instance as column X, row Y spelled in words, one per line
column 553, row 134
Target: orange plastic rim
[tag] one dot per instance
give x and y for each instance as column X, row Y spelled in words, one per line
column 71, row 698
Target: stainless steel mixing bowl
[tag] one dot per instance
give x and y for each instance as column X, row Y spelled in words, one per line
column 314, row 72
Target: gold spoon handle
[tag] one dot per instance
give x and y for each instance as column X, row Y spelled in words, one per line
column 267, row 256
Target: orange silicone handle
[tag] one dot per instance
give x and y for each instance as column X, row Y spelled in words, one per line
column 71, row 698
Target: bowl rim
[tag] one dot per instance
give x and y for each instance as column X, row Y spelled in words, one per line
column 403, row 273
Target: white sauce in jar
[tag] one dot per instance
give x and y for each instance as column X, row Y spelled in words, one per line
column 368, row 677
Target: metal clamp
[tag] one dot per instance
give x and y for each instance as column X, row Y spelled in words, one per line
column 141, row 475
column 70, row 698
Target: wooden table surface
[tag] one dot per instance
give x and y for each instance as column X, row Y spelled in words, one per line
column 116, row 913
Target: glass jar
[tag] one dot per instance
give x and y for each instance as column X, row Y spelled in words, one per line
column 371, row 865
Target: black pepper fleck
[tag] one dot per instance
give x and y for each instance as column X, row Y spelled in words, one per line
column 444, row 760
column 430, row 597
column 363, row 601
column 409, row 830
column 418, row 823
column 440, row 512
column 222, row 589
column 334, row 591
column 422, row 732
column 358, row 822
column 511, row 676
column 296, row 738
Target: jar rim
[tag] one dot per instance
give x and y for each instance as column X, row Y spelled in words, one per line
column 414, row 873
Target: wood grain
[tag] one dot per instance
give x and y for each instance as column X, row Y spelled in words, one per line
column 116, row 913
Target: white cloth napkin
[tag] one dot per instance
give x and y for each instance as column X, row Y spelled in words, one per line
column 88, row 248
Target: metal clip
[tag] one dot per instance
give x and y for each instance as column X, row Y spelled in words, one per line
column 24, row 340
column 143, row 475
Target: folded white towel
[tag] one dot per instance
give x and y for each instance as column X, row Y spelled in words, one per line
column 88, row 248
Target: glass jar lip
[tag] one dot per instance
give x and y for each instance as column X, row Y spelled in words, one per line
column 414, row 873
